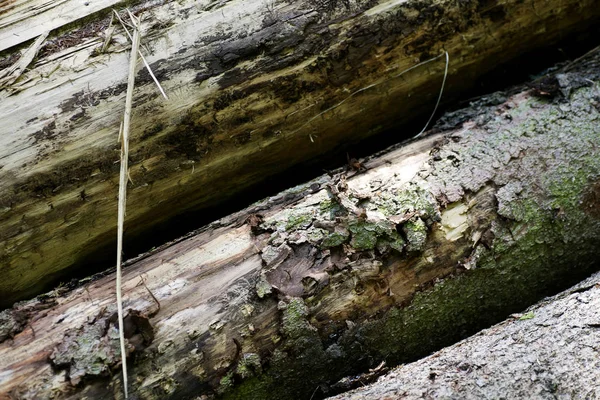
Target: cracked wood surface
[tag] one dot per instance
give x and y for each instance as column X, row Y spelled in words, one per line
column 243, row 77
column 436, row 240
column 21, row 20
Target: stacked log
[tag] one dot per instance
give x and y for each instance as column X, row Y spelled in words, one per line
column 388, row 260
column 254, row 88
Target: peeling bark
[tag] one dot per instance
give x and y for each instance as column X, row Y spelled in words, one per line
column 246, row 80
column 435, row 240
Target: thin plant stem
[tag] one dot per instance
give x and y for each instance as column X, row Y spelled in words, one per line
column 123, row 194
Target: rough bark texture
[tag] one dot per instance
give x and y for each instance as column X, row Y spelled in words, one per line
column 246, row 80
column 434, row 241
column 551, row 351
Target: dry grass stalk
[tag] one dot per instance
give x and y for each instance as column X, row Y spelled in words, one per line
column 123, row 189
column 141, row 55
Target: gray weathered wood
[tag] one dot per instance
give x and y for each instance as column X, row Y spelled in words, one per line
column 26, row 19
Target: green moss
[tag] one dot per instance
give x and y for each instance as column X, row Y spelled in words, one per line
column 365, row 233
column 363, row 239
column 504, row 282
column 393, row 241
column 326, row 205
column 529, row 258
column 88, row 351
column 386, row 203
column 577, row 179
column 298, row 221
column 249, row 365
column 303, row 364
column 294, row 323
column 335, row 239
column 413, row 197
column 525, row 263
column 529, row 315
column 316, row 235
column 226, row 383
column 299, row 362
column 263, row 288
column 331, row 208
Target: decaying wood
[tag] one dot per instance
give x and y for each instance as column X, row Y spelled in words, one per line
column 548, row 352
column 431, row 242
column 9, row 75
column 22, row 20
column 243, row 78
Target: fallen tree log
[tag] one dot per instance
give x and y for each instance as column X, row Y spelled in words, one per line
column 435, row 240
column 549, row 351
column 252, row 89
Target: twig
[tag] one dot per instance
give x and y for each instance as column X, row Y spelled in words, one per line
column 570, row 65
column 123, row 191
column 143, row 282
column 108, row 35
column 439, row 97
column 120, row 133
column 369, row 87
column 141, row 55
column 314, row 392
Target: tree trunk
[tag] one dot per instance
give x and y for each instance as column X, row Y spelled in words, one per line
column 548, row 352
column 435, row 240
column 255, row 87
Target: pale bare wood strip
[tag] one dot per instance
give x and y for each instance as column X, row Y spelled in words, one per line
column 30, row 18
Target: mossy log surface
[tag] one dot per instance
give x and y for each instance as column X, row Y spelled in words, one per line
column 435, row 240
column 250, row 86
column 548, row 351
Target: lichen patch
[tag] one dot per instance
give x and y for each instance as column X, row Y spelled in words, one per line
column 93, row 349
